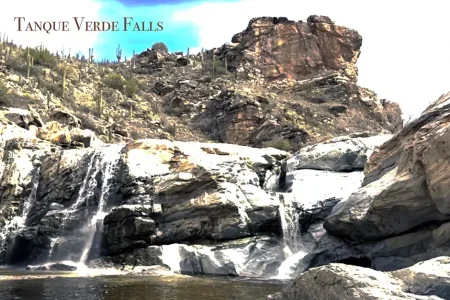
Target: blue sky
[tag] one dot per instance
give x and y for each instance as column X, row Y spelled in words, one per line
column 404, row 53
column 177, row 35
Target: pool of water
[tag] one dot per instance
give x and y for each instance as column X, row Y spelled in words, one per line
column 50, row 287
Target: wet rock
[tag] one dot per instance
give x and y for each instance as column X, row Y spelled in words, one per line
column 128, row 227
column 53, row 267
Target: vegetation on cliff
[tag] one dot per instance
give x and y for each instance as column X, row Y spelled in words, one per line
column 263, row 90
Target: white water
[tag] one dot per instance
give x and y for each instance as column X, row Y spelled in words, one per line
column 171, row 257
column 17, row 223
column 109, row 161
column 89, row 181
column 105, row 159
column 293, row 249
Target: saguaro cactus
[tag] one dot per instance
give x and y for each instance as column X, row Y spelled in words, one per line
column 64, row 80
column 100, row 104
column 213, row 64
column 48, row 100
column 203, row 63
column 226, row 65
column 118, row 53
column 131, row 111
column 91, row 55
column 28, row 63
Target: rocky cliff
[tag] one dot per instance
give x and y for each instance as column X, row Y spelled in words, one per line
column 278, row 48
column 197, row 208
column 281, row 83
column 395, row 219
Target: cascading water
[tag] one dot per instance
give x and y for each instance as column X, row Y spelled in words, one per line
column 292, row 237
column 105, row 160
column 109, row 162
column 86, row 190
column 12, row 228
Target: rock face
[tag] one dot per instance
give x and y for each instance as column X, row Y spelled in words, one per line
column 312, row 63
column 398, row 216
column 425, row 280
column 216, row 208
column 280, row 48
column 405, row 184
column 135, row 203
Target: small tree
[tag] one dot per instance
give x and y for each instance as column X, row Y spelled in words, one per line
column 160, row 46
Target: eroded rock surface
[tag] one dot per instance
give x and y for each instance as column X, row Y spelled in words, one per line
column 405, row 184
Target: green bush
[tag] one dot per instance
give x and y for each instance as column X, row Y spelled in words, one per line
column 41, row 58
column 117, row 82
column 114, row 81
column 4, row 94
column 131, row 87
column 160, row 46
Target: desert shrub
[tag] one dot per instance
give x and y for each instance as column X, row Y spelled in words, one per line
column 160, row 46
column 282, row 144
column 131, row 87
column 4, row 94
column 219, row 67
column 171, row 128
column 41, row 57
column 114, row 81
column 9, row 99
column 117, row 82
column 54, row 88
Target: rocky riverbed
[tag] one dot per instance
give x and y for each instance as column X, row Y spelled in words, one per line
column 391, row 235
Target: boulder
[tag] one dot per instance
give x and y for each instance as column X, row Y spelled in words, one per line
column 425, row 280
column 406, row 182
column 272, row 46
column 341, row 154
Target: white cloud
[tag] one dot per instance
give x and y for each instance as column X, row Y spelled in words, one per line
column 51, row 10
column 405, row 46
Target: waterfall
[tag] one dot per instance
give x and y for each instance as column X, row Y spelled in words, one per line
column 86, row 190
column 12, row 228
column 109, row 161
column 103, row 159
column 292, row 236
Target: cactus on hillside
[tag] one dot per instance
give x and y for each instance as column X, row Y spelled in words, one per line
column 213, row 63
column 28, row 63
column 226, row 65
column 100, row 104
column 48, row 100
column 64, row 81
column 91, row 55
column 118, row 53
column 203, row 62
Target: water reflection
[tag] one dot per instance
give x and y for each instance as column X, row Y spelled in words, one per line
column 137, row 288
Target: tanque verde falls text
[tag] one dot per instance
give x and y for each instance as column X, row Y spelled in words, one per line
column 81, row 24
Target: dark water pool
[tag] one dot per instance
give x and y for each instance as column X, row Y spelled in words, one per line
column 137, row 287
